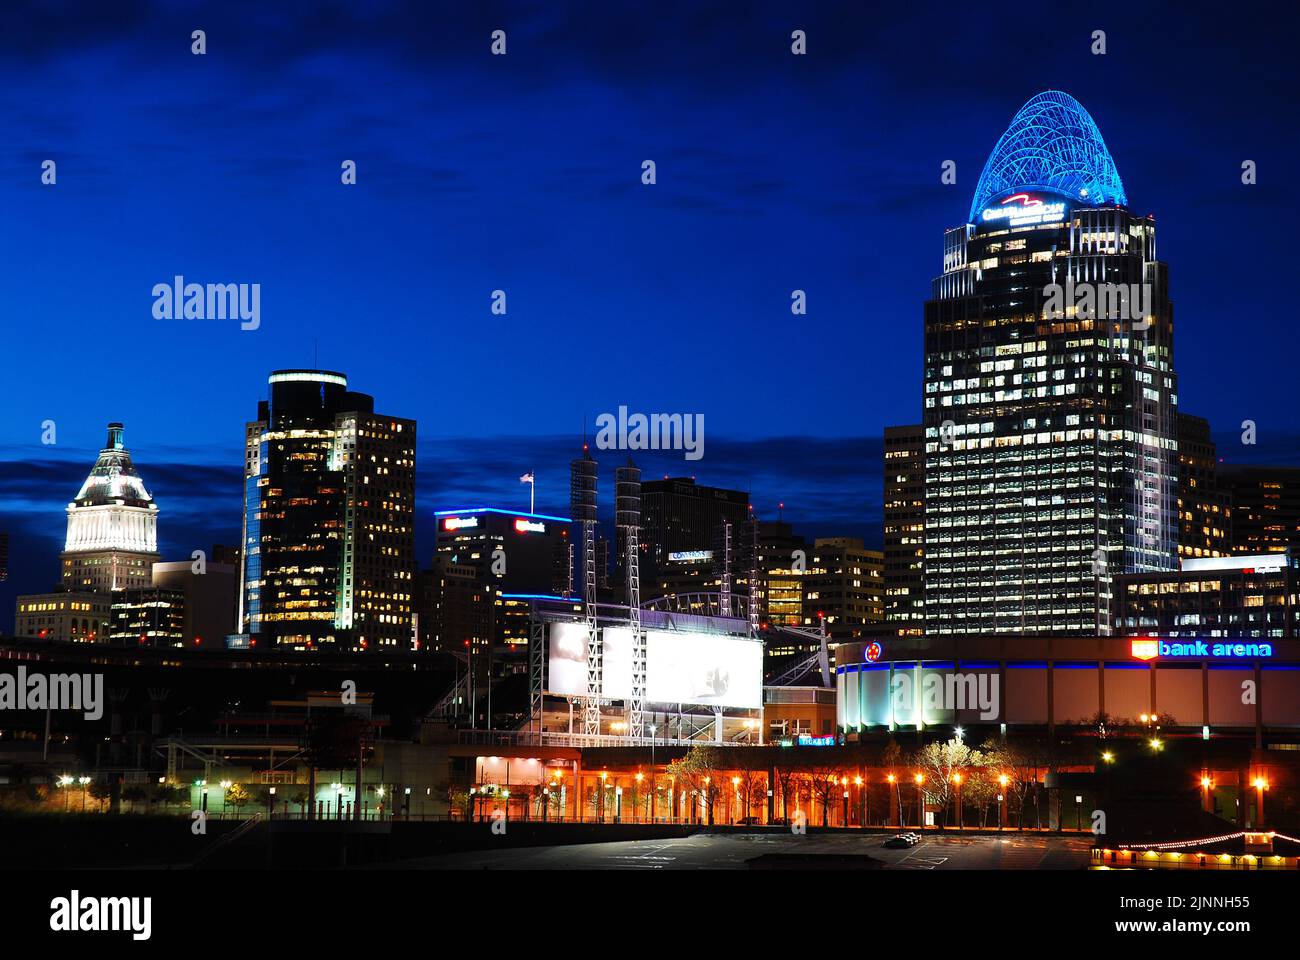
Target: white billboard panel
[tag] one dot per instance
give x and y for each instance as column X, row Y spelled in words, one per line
column 567, row 660
column 681, row 666
column 704, row 668
column 616, row 663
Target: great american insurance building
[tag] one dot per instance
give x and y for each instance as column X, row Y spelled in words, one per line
column 1050, row 397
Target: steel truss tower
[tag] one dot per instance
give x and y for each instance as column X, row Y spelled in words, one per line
column 582, row 506
column 627, row 517
column 723, row 551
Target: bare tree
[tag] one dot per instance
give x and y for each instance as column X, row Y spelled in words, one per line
column 698, row 775
column 825, row 783
column 941, row 764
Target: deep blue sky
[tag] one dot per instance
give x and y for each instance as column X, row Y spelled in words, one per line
column 522, row 173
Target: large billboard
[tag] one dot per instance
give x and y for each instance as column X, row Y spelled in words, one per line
column 566, row 666
column 681, row 666
column 703, row 668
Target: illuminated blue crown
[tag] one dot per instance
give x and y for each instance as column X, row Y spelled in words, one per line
column 1052, row 145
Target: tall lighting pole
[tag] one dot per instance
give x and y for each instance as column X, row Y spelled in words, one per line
column 956, row 778
column 1002, row 811
column 920, row 801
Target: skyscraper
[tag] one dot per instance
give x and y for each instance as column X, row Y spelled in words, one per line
column 1050, row 394
column 1204, row 503
column 844, row 587
column 680, row 516
column 1265, row 508
column 329, row 518
column 904, row 523
column 112, row 541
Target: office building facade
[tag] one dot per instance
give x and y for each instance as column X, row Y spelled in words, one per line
column 1204, row 505
column 1238, row 597
column 679, row 516
column 66, row 616
column 1049, row 391
column 1265, row 508
column 904, row 527
column 844, row 588
column 328, row 557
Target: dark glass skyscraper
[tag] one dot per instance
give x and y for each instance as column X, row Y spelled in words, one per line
column 329, row 518
column 1050, row 395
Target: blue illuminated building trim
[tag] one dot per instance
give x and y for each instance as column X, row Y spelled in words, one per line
column 505, row 513
column 538, row 596
column 1052, row 145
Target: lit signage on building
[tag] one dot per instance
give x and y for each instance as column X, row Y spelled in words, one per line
column 1256, row 563
column 874, row 650
column 1021, row 209
column 807, row 740
column 459, row 523
column 691, row 555
column 529, row 526
column 1148, row 649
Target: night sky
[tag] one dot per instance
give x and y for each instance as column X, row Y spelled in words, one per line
column 523, row 173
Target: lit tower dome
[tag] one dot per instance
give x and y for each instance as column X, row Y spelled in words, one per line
column 112, row 539
column 1052, row 145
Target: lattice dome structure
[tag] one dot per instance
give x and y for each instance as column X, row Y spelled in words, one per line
column 1051, row 145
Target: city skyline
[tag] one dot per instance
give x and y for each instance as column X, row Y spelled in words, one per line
column 805, row 443
column 813, row 441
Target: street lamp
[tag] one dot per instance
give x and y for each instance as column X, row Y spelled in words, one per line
column 920, row 802
column 1260, row 785
column 956, row 778
column 636, row 803
column 898, row 800
column 1003, row 780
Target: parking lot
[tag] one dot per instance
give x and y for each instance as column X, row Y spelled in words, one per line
column 742, row 851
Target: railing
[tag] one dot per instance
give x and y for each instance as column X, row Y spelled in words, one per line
column 527, row 738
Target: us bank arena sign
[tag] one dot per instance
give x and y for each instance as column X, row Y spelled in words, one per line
column 1149, row 649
